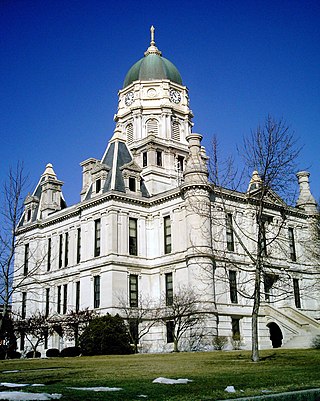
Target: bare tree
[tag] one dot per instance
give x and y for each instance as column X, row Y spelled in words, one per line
column 139, row 318
column 10, row 214
column 35, row 328
column 74, row 323
column 271, row 152
column 181, row 313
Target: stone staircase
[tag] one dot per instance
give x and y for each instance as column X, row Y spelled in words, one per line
column 298, row 328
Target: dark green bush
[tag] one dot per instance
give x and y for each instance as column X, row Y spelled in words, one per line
column 30, row 354
column 316, row 342
column 106, row 335
column 71, row 351
column 14, row 355
column 52, row 353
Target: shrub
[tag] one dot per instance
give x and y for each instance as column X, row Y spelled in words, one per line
column 236, row 341
column 219, row 342
column 14, row 355
column 106, row 335
column 316, row 342
column 70, row 351
column 30, row 354
column 52, row 353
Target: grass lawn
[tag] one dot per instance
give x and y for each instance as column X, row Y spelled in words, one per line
column 211, row 372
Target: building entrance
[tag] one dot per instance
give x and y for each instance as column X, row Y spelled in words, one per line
column 275, row 335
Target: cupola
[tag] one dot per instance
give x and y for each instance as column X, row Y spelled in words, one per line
column 152, row 66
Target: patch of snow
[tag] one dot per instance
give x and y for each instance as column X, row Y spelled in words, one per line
column 20, row 385
column 230, row 389
column 22, row 396
column 96, row 388
column 11, row 371
column 142, row 396
column 13, row 385
column 164, row 380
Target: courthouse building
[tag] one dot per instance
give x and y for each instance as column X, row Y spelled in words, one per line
column 149, row 223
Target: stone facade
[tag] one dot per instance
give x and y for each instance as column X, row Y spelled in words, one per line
column 149, row 215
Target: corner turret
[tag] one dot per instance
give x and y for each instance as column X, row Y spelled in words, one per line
column 305, row 200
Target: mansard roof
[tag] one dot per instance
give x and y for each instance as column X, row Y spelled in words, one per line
column 33, row 202
column 116, row 158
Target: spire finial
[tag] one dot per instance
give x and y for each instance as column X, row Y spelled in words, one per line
column 152, row 42
column 152, row 49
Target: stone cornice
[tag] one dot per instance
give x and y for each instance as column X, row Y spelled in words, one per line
column 75, row 210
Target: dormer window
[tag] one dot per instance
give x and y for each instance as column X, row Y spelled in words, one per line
column 132, row 184
column 98, row 185
column 29, row 215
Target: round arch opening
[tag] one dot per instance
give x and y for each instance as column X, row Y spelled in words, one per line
column 276, row 335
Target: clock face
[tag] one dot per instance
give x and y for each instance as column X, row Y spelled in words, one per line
column 129, row 98
column 175, row 96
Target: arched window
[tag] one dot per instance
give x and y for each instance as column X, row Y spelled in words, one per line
column 129, row 131
column 175, row 133
column 152, row 126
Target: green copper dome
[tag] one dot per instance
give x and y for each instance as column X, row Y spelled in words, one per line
column 152, row 66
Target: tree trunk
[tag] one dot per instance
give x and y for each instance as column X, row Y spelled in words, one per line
column 255, row 314
column 175, row 345
column 257, row 293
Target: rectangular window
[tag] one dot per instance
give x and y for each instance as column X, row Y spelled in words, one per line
column 229, row 231
column 233, row 286
column 24, row 305
column 26, row 259
column 170, row 331
column 133, row 290
column 78, row 245
column 66, row 250
column 292, row 244
column 60, row 250
column 180, row 163
column 132, row 184
column 49, row 255
column 296, row 290
column 133, row 237
column 269, row 280
column 169, row 289
column 159, row 158
column 65, row 299
column 77, row 296
column 47, row 302
column 235, row 322
column 59, row 299
column 167, row 234
column 97, row 237
column 144, row 159
column 96, row 291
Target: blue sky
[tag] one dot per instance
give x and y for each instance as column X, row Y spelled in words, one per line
column 63, row 61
